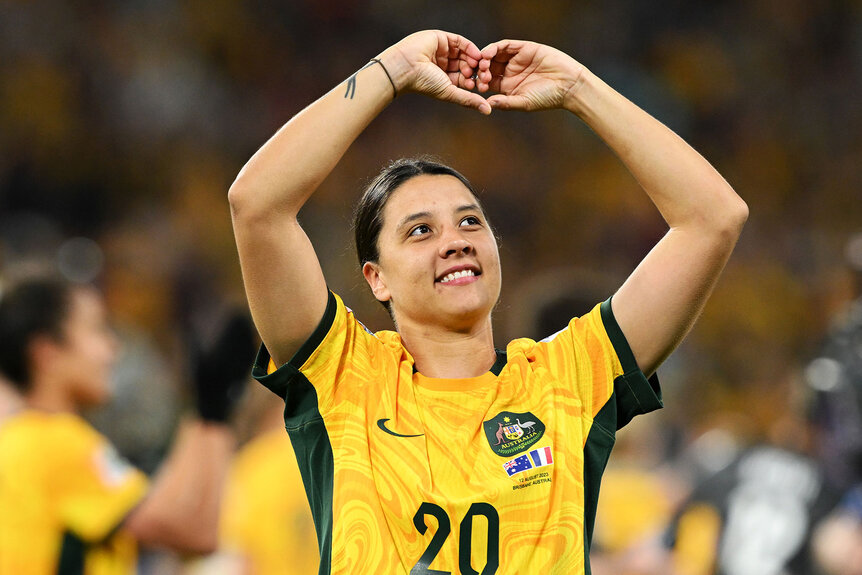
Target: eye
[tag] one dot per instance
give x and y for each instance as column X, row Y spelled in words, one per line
column 419, row 230
column 471, row 221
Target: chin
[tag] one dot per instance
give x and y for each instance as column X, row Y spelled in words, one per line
column 464, row 318
column 96, row 397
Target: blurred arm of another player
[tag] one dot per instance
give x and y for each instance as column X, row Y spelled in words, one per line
column 661, row 299
column 278, row 261
column 837, row 540
column 182, row 508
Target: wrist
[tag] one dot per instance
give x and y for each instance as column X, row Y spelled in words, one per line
column 388, row 76
column 581, row 92
column 397, row 68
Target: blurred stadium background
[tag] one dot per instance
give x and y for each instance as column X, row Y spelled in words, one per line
column 122, row 125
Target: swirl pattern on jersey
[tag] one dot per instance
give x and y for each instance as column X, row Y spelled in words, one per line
column 427, row 490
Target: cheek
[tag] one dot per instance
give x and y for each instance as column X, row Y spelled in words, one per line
column 406, row 268
column 96, row 351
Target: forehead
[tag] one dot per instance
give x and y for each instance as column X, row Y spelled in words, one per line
column 436, row 194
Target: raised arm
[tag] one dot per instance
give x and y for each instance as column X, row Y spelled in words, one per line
column 181, row 510
column 659, row 302
column 283, row 280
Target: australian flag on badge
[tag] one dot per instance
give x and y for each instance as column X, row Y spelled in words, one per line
column 518, row 465
column 534, row 459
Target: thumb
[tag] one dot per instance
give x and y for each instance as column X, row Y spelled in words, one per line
column 467, row 99
column 503, row 102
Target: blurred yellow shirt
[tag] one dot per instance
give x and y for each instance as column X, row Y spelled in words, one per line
column 64, row 491
column 266, row 520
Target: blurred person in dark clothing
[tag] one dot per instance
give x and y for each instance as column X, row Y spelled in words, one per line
column 754, row 517
column 68, row 500
column 836, row 378
column 778, row 507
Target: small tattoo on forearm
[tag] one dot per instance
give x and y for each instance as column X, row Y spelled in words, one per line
column 351, row 82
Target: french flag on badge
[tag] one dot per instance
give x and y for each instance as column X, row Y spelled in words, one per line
column 541, row 457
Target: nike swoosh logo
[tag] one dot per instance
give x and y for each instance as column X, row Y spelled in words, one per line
column 381, row 423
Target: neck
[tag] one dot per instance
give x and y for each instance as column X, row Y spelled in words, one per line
column 45, row 396
column 448, row 354
column 10, row 400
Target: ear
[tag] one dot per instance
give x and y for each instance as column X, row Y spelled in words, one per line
column 374, row 277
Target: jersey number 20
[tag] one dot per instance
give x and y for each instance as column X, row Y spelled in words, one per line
column 444, row 528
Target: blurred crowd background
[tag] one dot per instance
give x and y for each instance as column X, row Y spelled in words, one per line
column 122, row 125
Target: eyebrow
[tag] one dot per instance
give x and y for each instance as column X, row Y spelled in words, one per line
column 422, row 215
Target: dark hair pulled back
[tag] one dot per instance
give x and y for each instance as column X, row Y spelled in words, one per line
column 368, row 215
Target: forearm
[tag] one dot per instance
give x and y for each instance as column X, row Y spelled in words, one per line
column 182, row 509
column 659, row 302
column 287, row 169
column 685, row 188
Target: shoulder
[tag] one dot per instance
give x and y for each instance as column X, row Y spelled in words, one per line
column 339, row 332
column 591, row 329
column 53, row 443
column 61, row 428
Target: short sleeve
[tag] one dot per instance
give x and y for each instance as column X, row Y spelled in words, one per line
column 95, row 487
column 593, row 354
column 308, row 382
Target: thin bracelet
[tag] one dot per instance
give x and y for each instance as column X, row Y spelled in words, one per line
column 385, row 71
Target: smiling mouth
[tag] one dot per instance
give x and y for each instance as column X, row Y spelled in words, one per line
column 458, row 275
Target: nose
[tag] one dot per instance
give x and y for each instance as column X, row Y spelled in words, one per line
column 455, row 245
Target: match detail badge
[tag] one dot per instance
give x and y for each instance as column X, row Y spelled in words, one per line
column 510, row 433
column 533, row 460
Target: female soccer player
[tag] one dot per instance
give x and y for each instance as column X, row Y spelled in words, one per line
column 68, row 502
column 425, row 450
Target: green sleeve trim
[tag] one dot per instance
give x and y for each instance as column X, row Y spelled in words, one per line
column 72, row 553
column 313, row 450
column 278, row 380
column 316, row 338
column 597, row 451
column 306, row 428
column 618, row 339
column 635, row 393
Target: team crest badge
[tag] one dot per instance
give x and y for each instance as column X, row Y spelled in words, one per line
column 509, row 433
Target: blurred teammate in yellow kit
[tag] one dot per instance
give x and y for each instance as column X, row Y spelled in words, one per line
column 266, row 523
column 69, row 503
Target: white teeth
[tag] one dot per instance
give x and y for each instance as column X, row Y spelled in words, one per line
column 456, row 275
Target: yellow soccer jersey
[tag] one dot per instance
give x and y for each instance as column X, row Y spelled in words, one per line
column 496, row 474
column 63, row 493
column 265, row 516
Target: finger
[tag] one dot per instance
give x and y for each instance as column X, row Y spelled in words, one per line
column 467, row 99
column 471, row 62
column 466, row 83
column 459, row 59
column 452, row 66
column 502, row 51
column 503, row 102
column 464, row 46
column 483, row 75
column 489, row 51
column 460, row 80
